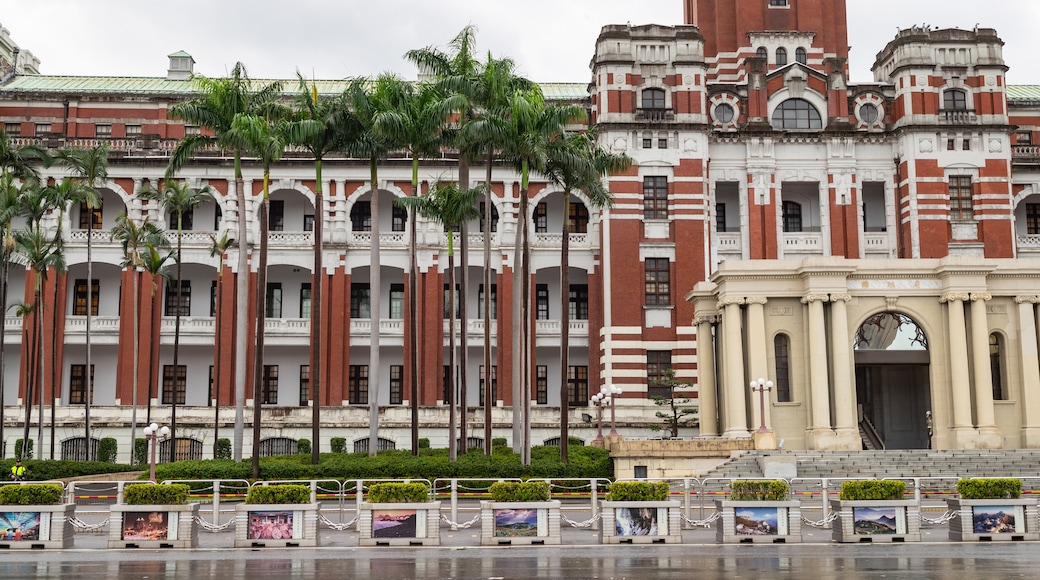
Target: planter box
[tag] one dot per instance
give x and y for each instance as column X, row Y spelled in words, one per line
column 276, row 525
column 400, row 524
column 640, row 522
column 42, row 526
column 519, row 523
column 153, row 526
column 753, row 522
column 993, row 519
column 876, row 521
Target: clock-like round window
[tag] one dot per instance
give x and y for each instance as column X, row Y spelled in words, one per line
column 869, row 113
column 724, row 113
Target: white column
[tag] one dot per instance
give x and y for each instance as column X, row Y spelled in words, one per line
column 820, row 422
column 707, row 404
column 1030, row 365
column 960, row 389
column 758, row 361
column 980, row 358
column 841, row 349
column 734, row 384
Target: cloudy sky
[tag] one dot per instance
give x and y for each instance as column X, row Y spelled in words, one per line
column 551, row 40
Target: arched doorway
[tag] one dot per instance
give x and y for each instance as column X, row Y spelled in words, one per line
column 892, row 382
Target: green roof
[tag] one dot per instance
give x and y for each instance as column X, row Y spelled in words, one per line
column 1023, row 93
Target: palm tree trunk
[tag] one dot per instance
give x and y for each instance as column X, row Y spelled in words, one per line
column 319, row 275
column 218, row 366
column 137, row 358
column 176, row 349
column 90, row 313
column 565, row 315
column 32, row 378
column 413, row 310
column 453, row 443
column 489, row 399
column 525, row 313
column 375, row 294
column 261, row 317
column 39, row 375
column 242, row 311
column 54, row 365
column 154, row 342
column 464, row 333
column 5, row 267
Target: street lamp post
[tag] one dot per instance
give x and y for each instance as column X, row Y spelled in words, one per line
column 599, row 399
column 762, row 386
column 152, row 433
column 611, row 392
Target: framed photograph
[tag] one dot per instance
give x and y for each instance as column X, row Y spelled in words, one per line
column 273, row 525
column 882, row 520
column 996, row 519
column 516, row 523
column 395, row 524
column 636, row 522
column 19, row 526
column 760, row 521
column 144, row 526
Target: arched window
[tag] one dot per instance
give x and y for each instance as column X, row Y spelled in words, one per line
column 762, row 52
column 955, row 99
column 781, row 56
column 996, row 367
column 653, row 99
column 792, row 216
column 782, row 356
column 797, row 114
column 800, row 56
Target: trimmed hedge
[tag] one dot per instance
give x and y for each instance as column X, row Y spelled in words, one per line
column 303, row 446
column 338, row 444
column 872, row 490
column 392, row 492
column 520, row 491
column 637, row 491
column 281, row 493
column 31, row 494
column 990, row 488
column 154, row 494
column 140, row 451
column 107, row 450
column 223, row 448
column 758, row 490
column 45, row 470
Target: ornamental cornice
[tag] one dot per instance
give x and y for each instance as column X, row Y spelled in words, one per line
column 954, row 296
column 1027, row 299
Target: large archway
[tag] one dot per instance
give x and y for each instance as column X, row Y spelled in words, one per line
column 892, row 382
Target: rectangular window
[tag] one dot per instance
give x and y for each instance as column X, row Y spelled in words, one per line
column 494, row 301
column 357, row 385
column 662, row 142
column 578, row 385
column 79, row 301
column 541, row 384
column 305, row 300
column 446, row 384
column 494, row 384
column 213, row 298
column 305, row 385
column 187, row 219
column 274, row 299
column 398, row 218
column 172, row 381
column 655, row 198
column 192, row 130
column 396, row 384
column 579, row 302
column 1024, row 138
column 541, row 218
column 13, row 129
column 42, row 129
column 269, row 388
column 171, row 302
column 541, row 299
column 209, row 394
column 579, row 218
column 360, row 307
column 276, row 215
column 782, row 356
column 308, row 222
column 494, row 218
column 447, row 302
column 658, row 288
column 397, row 301
column 658, row 363
column 648, row 142
column 1033, row 219
column 84, row 217
column 361, row 217
column 78, row 384
column 778, row 2
column 133, row 130
column 960, row 198
column 720, row 217
column 102, row 131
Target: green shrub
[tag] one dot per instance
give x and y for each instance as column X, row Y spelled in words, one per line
column 281, row 493
column 107, row 450
column 155, row 494
column 499, row 442
column 303, row 446
column 140, row 451
column 392, row 492
column 758, row 490
column 424, row 443
column 223, row 448
column 18, row 449
column 520, row 491
column 990, row 488
column 338, row 444
column 637, row 491
column 31, row 494
column 872, row 490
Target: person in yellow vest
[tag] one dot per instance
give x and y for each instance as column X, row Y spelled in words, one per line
column 18, row 471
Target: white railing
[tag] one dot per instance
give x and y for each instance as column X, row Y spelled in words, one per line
column 189, row 324
column 553, row 327
column 803, row 242
column 98, row 324
column 190, row 238
column 388, row 327
column 98, row 236
column 1030, row 243
column 728, row 242
column 555, row 240
column 12, row 324
column 386, row 239
column 290, row 238
column 288, row 326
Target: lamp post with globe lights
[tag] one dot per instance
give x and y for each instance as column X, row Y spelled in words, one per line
column 599, row 399
column 152, row 433
column 611, row 392
column 762, row 386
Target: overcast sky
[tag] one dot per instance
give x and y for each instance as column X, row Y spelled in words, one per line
column 551, row 40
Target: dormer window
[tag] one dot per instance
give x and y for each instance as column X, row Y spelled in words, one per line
column 181, row 66
column 781, row 56
column 800, row 56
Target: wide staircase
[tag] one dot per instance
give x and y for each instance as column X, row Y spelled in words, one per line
column 891, row 464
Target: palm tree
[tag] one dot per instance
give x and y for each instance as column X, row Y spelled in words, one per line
column 218, row 249
column 321, row 126
column 177, row 199
column 20, row 161
column 576, row 162
column 10, row 207
column 134, row 237
column 154, row 264
column 90, row 167
column 416, row 121
column 219, row 101
column 266, row 141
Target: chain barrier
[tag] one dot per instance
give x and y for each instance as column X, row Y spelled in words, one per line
column 455, row 526
column 705, row 523
column 585, row 524
column 943, row 519
column 339, row 527
column 824, row 523
column 80, row 527
column 214, row 528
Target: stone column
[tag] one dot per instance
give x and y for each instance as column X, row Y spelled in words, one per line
column 989, row 436
column 1030, row 365
column 963, row 436
column 844, row 391
column 734, row 386
column 820, row 434
column 706, row 401
column 758, row 361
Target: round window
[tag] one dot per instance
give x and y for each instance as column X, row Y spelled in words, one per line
column 724, row 113
column 868, row 113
